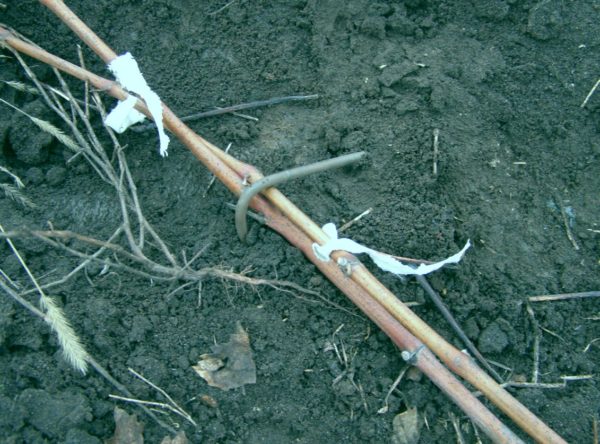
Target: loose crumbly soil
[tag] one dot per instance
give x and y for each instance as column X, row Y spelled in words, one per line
column 502, row 81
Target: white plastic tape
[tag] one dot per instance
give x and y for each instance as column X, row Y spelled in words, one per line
column 128, row 74
column 382, row 260
column 124, row 115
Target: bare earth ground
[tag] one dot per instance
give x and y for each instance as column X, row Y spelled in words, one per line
column 503, row 82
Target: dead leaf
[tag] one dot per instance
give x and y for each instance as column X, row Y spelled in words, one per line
column 230, row 365
column 127, row 429
column 180, row 438
column 406, row 427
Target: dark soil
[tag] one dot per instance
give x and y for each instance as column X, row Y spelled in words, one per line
column 503, row 82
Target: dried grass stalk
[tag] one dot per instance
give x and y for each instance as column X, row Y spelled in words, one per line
column 70, row 344
column 13, row 192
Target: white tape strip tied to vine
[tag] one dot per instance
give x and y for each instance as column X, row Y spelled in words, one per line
column 129, row 76
column 384, row 261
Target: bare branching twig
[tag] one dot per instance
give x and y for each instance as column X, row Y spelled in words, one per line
column 170, row 405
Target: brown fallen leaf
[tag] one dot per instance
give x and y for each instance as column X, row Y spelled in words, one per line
column 127, row 429
column 230, row 365
column 406, row 427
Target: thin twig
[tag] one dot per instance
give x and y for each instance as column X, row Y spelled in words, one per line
column 222, row 8
column 436, row 150
column 156, row 271
column 143, row 224
column 120, row 387
column 592, row 342
column 86, row 84
column 7, row 279
column 21, row 300
column 393, row 387
column 592, row 91
column 456, row 425
column 141, row 402
column 476, row 432
column 175, row 407
column 249, row 105
column 536, row 345
column 356, row 219
column 566, row 224
column 102, row 164
column 92, row 258
column 233, row 108
column 499, row 365
column 437, row 300
column 564, row 296
column 543, row 385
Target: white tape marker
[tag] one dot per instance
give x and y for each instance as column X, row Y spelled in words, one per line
column 382, row 260
column 128, row 74
column 124, row 115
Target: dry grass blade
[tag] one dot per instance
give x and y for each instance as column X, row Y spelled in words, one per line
column 20, row 86
column 48, row 128
column 16, row 179
column 70, row 344
column 13, row 193
column 72, row 348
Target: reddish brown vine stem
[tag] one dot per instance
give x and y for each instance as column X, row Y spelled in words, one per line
column 206, row 153
column 364, row 289
column 428, row 364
